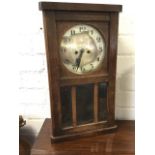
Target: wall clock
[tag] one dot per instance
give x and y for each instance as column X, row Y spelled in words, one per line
column 81, row 49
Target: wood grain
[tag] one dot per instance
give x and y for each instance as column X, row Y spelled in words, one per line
column 119, row 142
column 82, row 16
column 74, row 106
column 96, row 103
column 79, row 7
column 112, row 65
column 53, row 67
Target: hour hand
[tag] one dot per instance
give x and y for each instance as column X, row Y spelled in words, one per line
column 78, row 60
column 78, row 63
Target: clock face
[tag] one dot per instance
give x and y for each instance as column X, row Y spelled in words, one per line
column 82, row 49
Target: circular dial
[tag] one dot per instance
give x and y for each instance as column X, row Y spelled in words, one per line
column 82, row 49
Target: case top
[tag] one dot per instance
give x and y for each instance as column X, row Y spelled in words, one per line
column 57, row 6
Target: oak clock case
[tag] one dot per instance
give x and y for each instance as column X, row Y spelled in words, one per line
column 81, row 49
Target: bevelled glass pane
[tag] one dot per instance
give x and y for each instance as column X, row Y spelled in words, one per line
column 102, row 96
column 84, row 104
column 66, row 106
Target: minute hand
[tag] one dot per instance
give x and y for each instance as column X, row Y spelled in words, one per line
column 78, row 60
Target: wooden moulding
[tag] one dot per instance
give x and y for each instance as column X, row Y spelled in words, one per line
column 87, row 133
column 79, row 7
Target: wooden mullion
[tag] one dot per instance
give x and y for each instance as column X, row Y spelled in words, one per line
column 66, row 81
column 95, row 102
column 74, row 119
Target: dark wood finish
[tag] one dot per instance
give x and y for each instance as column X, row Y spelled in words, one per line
column 58, row 18
column 96, row 103
column 52, row 58
column 112, row 65
column 95, row 78
column 79, row 7
column 119, row 142
column 74, row 106
column 81, row 16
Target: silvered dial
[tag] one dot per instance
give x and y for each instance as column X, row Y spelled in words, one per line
column 82, row 49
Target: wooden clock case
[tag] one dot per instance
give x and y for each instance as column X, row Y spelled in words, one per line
column 58, row 18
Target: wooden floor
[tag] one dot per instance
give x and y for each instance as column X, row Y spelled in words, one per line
column 119, row 142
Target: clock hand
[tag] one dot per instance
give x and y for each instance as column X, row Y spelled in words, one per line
column 78, row 60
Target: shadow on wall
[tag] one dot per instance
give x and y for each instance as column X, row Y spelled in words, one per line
column 126, row 81
column 125, row 94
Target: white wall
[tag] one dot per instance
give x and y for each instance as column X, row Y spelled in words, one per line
column 33, row 86
column 125, row 90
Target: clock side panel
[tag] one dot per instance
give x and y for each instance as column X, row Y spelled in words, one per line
column 113, row 34
column 53, row 69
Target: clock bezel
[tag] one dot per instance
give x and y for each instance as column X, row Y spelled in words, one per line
column 103, row 44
